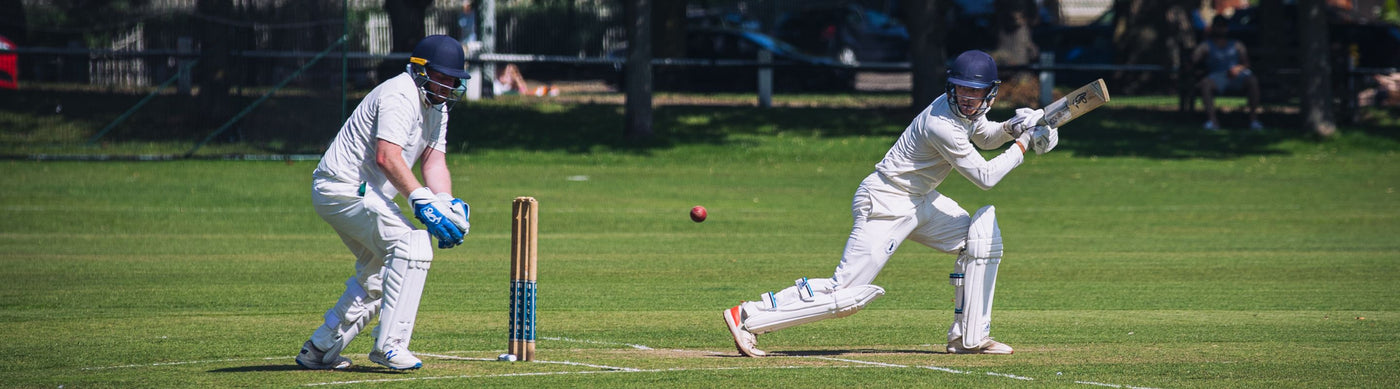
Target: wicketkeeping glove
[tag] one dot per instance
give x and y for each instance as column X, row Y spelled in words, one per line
column 461, row 212
column 434, row 213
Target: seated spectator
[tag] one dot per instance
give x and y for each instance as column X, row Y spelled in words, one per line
column 508, row 80
column 1384, row 91
column 1227, row 69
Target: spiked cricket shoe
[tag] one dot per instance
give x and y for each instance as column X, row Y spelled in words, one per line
column 745, row 341
column 313, row 358
column 395, row 358
column 988, row 347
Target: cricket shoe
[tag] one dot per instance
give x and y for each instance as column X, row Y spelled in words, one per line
column 745, row 341
column 313, row 358
column 396, row 358
column 988, row 347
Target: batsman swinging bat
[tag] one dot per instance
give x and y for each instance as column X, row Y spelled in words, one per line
column 1075, row 104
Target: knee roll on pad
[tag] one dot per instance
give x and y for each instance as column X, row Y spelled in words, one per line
column 405, row 273
column 975, row 277
column 983, row 235
column 838, row 303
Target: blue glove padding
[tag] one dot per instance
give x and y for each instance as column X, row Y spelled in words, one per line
column 430, row 211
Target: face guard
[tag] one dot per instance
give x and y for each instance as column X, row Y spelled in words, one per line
column 438, row 69
column 439, row 94
column 972, row 69
column 956, row 100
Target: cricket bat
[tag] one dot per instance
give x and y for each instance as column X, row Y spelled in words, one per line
column 1075, row 104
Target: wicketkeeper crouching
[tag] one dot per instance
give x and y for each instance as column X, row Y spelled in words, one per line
column 899, row 201
column 401, row 122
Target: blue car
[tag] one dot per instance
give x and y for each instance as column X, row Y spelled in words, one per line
column 850, row 33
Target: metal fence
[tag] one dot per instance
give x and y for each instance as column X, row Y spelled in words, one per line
column 287, row 59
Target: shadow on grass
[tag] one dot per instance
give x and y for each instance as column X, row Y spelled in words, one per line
column 1112, row 131
column 293, row 367
column 589, row 127
column 306, row 124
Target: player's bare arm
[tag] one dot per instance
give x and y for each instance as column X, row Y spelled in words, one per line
column 435, row 172
column 389, row 157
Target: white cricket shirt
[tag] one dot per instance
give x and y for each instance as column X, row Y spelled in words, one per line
column 937, row 142
column 394, row 111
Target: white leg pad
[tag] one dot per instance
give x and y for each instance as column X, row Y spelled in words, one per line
column 345, row 320
column 823, row 303
column 405, row 273
column 974, row 278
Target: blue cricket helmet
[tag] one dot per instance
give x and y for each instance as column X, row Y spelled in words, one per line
column 443, row 54
column 973, row 69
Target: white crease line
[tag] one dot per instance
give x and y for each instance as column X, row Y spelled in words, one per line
column 184, row 363
column 1110, row 385
column 943, row 369
column 606, row 369
column 860, row 362
column 636, row 346
column 541, row 361
column 1011, row 376
column 565, row 373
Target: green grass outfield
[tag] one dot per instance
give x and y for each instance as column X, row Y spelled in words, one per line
column 1144, row 254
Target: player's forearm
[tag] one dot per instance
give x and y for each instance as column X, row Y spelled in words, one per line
column 387, row 157
column 991, row 136
column 987, row 173
column 436, row 174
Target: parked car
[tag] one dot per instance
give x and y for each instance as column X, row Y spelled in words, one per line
column 1091, row 43
column 795, row 70
column 9, row 65
column 849, row 33
column 1088, row 44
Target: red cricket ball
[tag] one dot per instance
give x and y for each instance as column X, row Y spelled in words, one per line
column 698, row 214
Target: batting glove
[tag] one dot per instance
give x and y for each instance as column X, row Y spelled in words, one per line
column 1044, row 138
column 1023, row 121
column 434, row 213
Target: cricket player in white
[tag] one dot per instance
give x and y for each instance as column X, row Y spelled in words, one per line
column 400, row 123
column 899, row 201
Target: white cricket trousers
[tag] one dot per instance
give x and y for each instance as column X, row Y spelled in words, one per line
column 372, row 227
column 884, row 217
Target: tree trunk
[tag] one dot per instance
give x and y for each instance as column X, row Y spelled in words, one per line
column 211, row 74
column 1317, row 72
column 1141, row 36
column 406, row 21
column 637, row 110
column 927, row 55
column 1014, row 21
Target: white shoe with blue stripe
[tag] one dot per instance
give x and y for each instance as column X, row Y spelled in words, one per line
column 397, row 359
